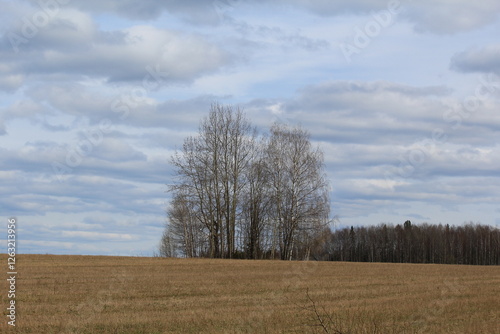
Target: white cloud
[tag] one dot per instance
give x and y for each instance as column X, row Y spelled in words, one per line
column 192, row 10
column 95, row 235
column 436, row 16
column 486, row 59
column 71, row 46
column 11, row 83
column 363, row 111
column 452, row 16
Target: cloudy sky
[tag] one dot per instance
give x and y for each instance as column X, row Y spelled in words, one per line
column 402, row 96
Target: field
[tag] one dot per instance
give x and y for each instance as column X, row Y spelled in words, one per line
column 89, row 294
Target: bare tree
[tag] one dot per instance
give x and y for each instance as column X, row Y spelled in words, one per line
column 256, row 204
column 186, row 232
column 211, row 170
column 167, row 246
column 195, row 182
column 299, row 186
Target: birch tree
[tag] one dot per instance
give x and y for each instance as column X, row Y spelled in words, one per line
column 299, row 186
column 211, row 171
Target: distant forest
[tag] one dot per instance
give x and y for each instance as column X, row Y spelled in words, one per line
column 468, row 244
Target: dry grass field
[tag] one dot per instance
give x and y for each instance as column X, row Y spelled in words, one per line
column 89, row 294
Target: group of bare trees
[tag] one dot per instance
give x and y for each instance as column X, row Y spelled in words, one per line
column 239, row 194
column 468, row 244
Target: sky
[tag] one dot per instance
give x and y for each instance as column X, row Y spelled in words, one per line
column 403, row 97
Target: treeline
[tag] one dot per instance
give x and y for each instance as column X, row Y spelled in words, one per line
column 469, row 244
column 238, row 194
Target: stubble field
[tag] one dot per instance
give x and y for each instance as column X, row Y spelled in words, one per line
column 89, row 294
